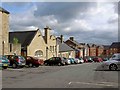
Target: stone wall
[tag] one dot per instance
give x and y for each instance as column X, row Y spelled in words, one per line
column 0, row 33
column 14, row 48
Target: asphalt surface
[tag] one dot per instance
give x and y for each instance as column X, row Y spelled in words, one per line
column 71, row 76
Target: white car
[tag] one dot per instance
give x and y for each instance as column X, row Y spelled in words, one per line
column 77, row 60
column 67, row 61
column 113, row 63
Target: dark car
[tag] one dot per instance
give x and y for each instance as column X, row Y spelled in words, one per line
column 97, row 59
column 55, row 61
column 4, row 62
column 16, row 60
column 33, row 61
column 89, row 59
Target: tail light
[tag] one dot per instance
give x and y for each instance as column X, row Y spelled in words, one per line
column 9, row 61
column 0, row 61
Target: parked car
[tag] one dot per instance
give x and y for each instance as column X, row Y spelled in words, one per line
column 85, row 60
column 90, row 59
column 67, row 61
column 113, row 63
column 4, row 62
column 33, row 61
column 105, row 59
column 55, row 61
column 72, row 60
column 97, row 59
column 16, row 61
column 76, row 61
column 81, row 60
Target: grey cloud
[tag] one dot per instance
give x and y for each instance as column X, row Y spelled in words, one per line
column 62, row 10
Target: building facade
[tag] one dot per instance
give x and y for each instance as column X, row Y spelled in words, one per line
column 4, row 28
column 79, row 49
column 114, row 48
column 33, row 43
column 64, row 49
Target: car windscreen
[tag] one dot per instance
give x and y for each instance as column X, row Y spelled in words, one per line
column 21, row 58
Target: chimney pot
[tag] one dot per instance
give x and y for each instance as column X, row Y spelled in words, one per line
column 72, row 38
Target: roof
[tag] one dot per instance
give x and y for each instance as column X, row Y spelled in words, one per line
column 115, row 45
column 75, row 42
column 3, row 10
column 63, row 46
column 24, row 37
column 106, row 47
column 91, row 45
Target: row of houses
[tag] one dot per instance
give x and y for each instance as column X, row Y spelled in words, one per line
column 34, row 43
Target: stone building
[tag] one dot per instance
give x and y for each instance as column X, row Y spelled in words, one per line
column 33, row 43
column 79, row 48
column 4, row 28
column 64, row 49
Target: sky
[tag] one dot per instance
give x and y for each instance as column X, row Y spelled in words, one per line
column 87, row 22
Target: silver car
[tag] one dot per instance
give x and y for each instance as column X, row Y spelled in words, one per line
column 113, row 63
column 67, row 61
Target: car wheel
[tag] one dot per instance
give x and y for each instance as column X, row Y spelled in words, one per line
column 45, row 64
column 113, row 67
column 36, row 65
column 14, row 65
column 30, row 65
column 4, row 67
column 59, row 64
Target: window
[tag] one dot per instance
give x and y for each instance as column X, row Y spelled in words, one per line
column 39, row 53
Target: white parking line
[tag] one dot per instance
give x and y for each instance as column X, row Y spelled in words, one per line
column 15, row 69
column 98, row 83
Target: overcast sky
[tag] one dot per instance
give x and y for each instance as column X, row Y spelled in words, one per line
column 88, row 22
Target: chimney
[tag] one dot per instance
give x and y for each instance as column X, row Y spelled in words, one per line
column 61, row 38
column 47, row 34
column 72, row 38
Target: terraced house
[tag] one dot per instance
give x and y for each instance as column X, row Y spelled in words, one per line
column 4, row 28
column 33, row 43
column 64, row 49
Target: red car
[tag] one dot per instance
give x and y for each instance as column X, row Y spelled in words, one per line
column 33, row 61
column 97, row 59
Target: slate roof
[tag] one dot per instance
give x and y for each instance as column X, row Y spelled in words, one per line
column 106, row 47
column 3, row 10
column 115, row 45
column 63, row 47
column 24, row 37
column 75, row 42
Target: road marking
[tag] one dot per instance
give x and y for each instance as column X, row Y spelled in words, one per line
column 96, row 83
column 15, row 69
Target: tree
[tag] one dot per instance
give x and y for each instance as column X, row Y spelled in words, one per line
column 15, row 40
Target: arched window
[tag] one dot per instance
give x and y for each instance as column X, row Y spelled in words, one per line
column 39, row 53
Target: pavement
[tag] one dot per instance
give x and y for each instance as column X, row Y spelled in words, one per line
column 72, row 76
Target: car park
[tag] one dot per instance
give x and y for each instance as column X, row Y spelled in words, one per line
column 33, row 61
column 113, row 63
column 16, row 61
column 4, row 62
column 55, row 61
